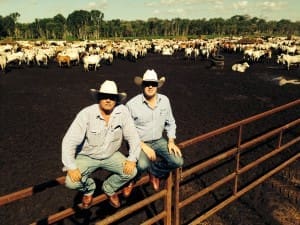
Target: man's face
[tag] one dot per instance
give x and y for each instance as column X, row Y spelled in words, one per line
column 107, row 102
column 150, row 88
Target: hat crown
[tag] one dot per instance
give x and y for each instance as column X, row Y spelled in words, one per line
column 109, row 87
column 150, row 75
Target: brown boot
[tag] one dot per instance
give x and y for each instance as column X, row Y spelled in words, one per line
column 87, row 201
column 155, row 182
column 128, row 189
column 114, row 200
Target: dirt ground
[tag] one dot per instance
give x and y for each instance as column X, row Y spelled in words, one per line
column 38, row 105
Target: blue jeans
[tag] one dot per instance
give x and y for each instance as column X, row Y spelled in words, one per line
column 87, row 165
column 159, row 168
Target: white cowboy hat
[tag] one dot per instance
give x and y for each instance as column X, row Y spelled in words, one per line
column 151, row 76
column 108, row 87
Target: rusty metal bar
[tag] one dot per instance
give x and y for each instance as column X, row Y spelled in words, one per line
column 71, row 211
column 244, row 190
column 231, row 176
column 280, row 139
column 168, row 201
column 269, row 155
column 208, row 162
column 167, row 193
column 30, row 191
column 233, row 151
column 205, row 136
column 176, row 194
column 269, row 134
column 155, row 219
column 206, row 190
column 120, row 214
column 238, row 154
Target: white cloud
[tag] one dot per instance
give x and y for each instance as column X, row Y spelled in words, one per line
column 92, row 4
column 271, row 5
column 168, row 2
column 240, row 5
column 156, row 12
column 96, row 5
column 178, row 11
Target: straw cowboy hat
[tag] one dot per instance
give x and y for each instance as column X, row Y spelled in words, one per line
column 108, row 87
column 150, row 76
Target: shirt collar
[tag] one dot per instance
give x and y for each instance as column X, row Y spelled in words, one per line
column 158, row 97
column 115, row 111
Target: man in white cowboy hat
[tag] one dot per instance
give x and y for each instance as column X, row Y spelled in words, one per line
column 152, row 115
column 93, row 141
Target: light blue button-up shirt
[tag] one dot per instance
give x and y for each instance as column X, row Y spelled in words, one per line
column 151, row 123
column 98, row 140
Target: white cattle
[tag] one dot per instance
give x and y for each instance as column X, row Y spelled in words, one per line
column 41, row 59
column 288, row 60
column 240, row 67
column 283, row 81
column 91, row 60
column 107, row 58
column 188, row 52
column 29, row 56
column 73, row 53
column 3, row 62
column 167, row 50
column 204, row 52
column 257, row 55
column 17, row 57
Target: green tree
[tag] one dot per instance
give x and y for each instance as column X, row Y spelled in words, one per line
column 97, row 19
column 60, row 29
column 77, row 23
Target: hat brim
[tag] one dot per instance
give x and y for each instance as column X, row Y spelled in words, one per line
column 96, row 95
column 139, row 81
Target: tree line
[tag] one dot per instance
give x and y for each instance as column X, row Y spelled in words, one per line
column 90, row 25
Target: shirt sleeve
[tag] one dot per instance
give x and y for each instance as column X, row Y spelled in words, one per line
column 131, row 136
column 170, row 125
column 72, row 139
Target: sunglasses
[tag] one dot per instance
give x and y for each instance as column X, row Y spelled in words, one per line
column 150, row 83
column 108, row 96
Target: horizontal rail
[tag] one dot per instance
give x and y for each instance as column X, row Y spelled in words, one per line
column 167, row 192
column 244, row 190
column 30, row 191
column 233, row 151
column 71, row 211
column 268, row 156
column 208, row 135
column 231, row 176
column 206, row 190
column 120, row 214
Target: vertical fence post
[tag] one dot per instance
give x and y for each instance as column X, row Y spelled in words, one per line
column 168, row 200
column 176, row 194
column 280, row 139
column 238, row 159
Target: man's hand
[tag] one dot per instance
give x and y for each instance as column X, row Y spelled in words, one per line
column 150, row 153
column 129, row 167
column 173, row 148
column 74, row 175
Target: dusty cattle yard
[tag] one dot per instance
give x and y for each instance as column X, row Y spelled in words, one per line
column 39, row 103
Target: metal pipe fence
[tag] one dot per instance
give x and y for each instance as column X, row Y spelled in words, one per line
column 174, row 202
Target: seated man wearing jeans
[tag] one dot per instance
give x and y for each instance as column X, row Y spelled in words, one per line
column 152, row 115
column 93, row 141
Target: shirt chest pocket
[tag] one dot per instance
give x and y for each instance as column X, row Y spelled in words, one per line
column 95, row 137
column 116, row 133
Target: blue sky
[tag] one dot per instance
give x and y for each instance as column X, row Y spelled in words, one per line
column 162, row 9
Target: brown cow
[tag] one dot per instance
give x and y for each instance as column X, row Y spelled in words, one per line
column 63, row 60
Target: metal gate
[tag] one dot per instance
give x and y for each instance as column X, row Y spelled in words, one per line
column 238, row 160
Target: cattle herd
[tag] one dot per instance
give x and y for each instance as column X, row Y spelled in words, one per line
column 92, row 54
column 40, row 99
